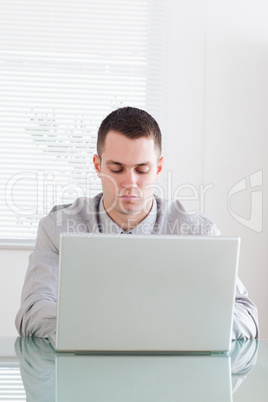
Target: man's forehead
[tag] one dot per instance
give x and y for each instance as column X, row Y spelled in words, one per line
column 119, row 149
column 115, row 162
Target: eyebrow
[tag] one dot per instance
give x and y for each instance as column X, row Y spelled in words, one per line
column 111, row 162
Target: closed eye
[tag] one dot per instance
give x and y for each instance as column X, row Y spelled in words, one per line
column 139, row 169
column 142, row 171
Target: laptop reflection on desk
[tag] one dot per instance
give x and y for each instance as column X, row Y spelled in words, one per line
column 143, row 378
column 37, row 360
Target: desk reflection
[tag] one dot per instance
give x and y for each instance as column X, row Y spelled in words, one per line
column 50, row 376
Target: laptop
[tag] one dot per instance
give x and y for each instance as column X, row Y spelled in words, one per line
column 148, row 294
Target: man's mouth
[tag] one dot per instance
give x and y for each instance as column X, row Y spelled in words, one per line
column 128, row 197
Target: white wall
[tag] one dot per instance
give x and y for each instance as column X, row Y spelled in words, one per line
column 217, row 133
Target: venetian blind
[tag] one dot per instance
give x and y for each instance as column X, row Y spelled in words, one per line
column 64, row 66
column 11, row 385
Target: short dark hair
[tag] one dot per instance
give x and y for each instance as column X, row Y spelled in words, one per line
column 131, row 122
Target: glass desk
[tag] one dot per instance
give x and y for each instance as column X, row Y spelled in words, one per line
column 31, row 370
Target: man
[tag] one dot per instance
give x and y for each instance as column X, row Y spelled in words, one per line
column 128, row 163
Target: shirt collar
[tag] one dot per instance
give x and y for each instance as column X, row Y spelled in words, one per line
column 144, row 227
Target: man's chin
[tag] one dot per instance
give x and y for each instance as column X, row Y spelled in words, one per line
column 130, row 211
column 135, row 206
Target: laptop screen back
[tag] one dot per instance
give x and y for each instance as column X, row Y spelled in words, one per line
column 146, row 293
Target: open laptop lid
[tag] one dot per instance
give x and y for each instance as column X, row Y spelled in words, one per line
column 146, row 293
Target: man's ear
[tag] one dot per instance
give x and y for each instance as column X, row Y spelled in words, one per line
column 159, row 166
column 97, row 164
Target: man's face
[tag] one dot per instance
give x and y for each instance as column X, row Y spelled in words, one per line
column 128, row 169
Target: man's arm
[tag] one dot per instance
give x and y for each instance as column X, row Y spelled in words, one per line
column 245, row 324
column 245, row 320
column 37, row 314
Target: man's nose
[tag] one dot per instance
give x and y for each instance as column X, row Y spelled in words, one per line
column 129, row 180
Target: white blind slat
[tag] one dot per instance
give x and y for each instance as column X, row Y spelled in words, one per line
column 11, row 385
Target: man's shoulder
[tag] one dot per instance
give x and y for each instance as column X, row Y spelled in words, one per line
column 82, row 210
column 177, row 220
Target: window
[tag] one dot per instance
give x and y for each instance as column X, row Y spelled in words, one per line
column 64, row 66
